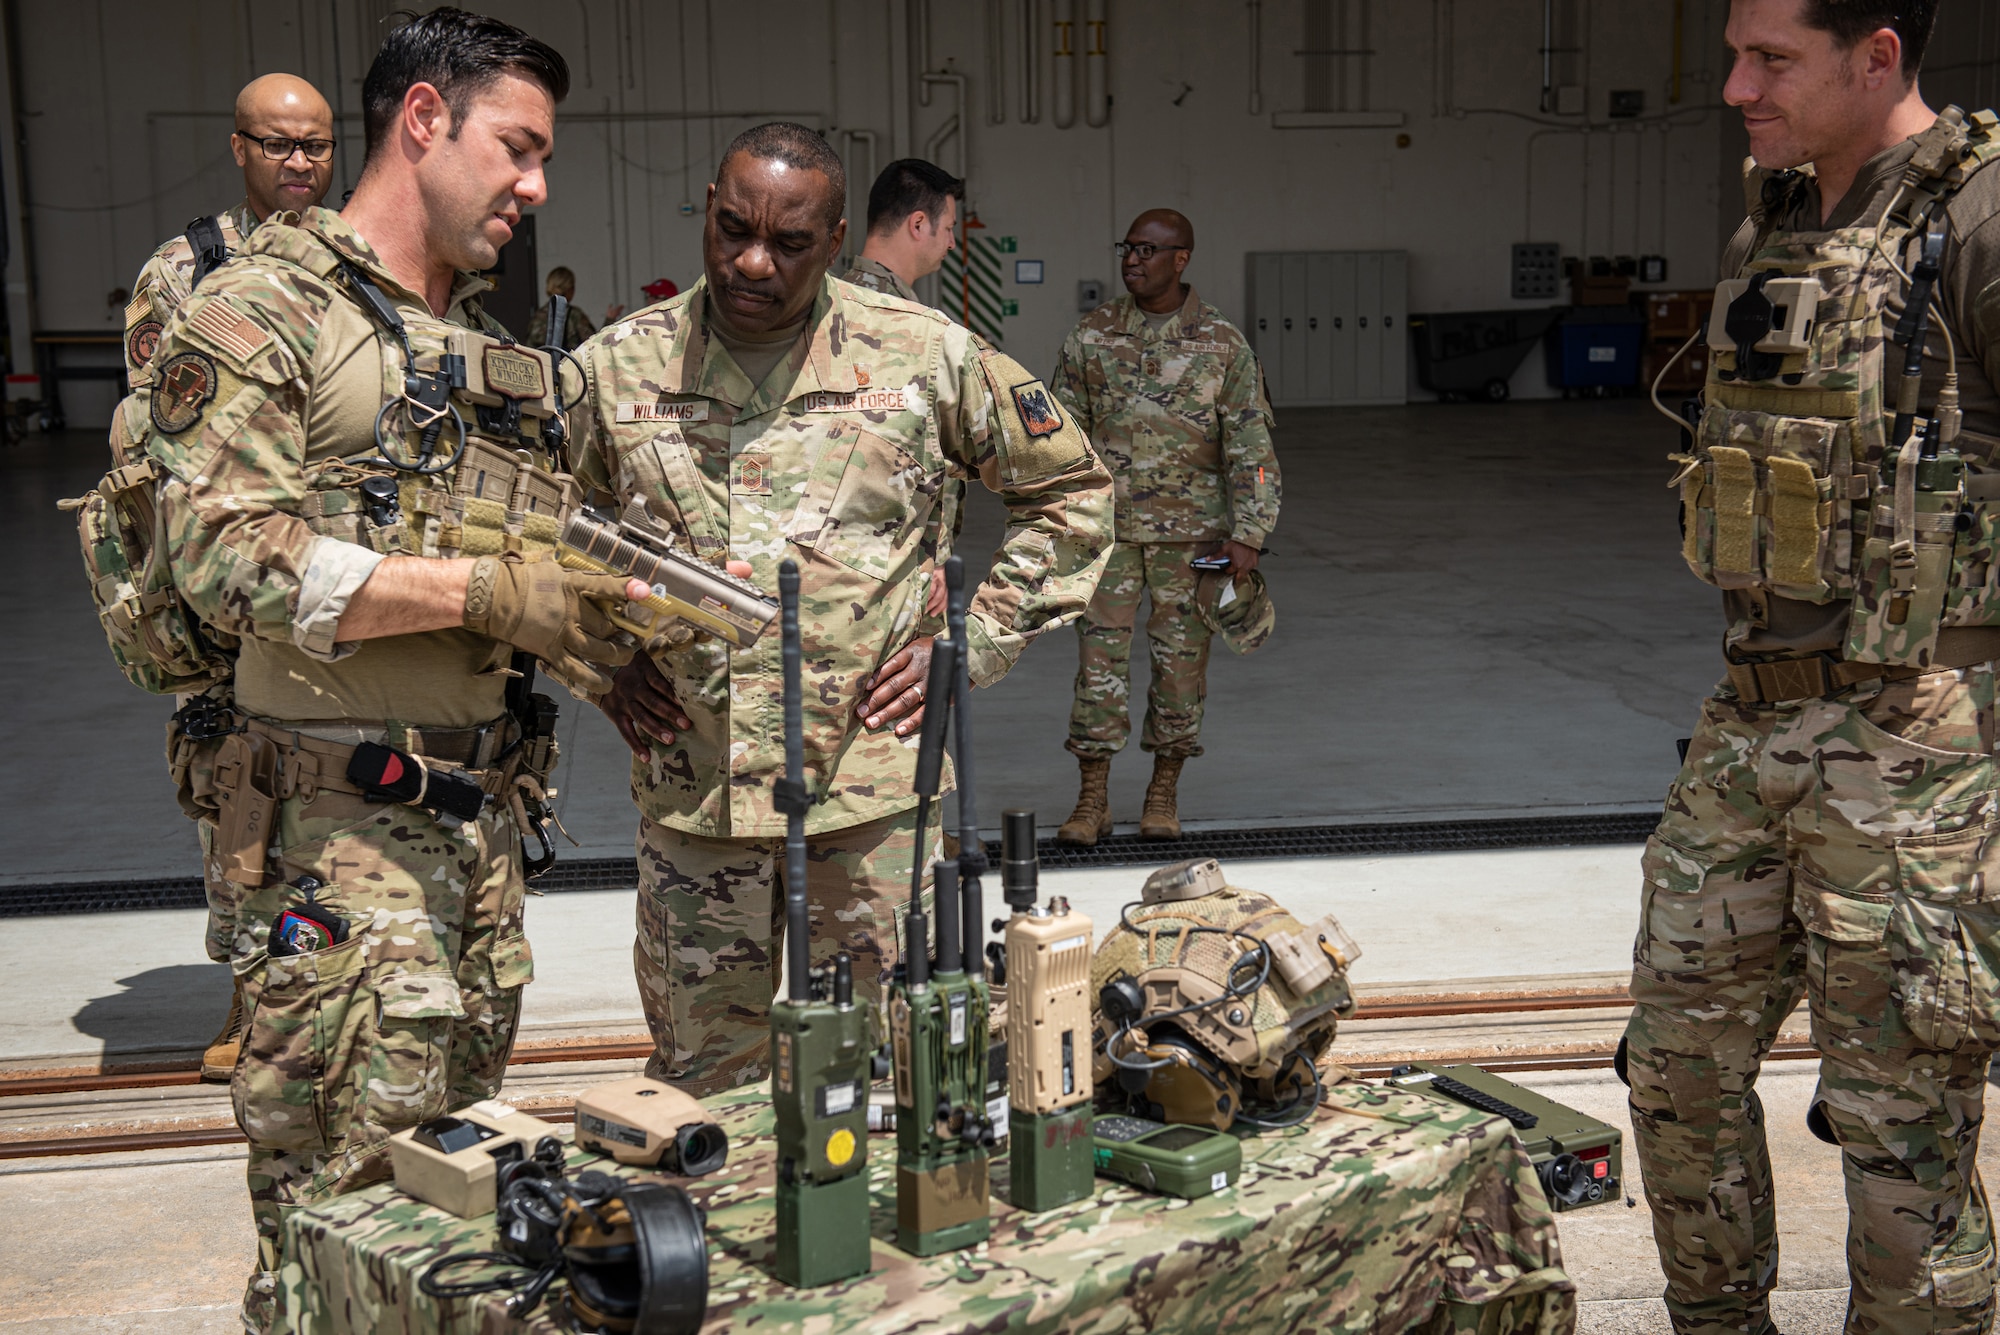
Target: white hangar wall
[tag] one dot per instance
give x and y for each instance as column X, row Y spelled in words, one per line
column 1275, row 126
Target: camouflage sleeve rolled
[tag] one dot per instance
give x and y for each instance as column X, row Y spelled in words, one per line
column 1000, row 422
column 227, row 412
column 1071, row 386
column 1243, row 415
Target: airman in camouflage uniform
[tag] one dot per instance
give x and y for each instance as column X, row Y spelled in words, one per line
column 1174, row 399
column 289, row 115
column 379, row 946
column 1831, row 834
column 828, row 448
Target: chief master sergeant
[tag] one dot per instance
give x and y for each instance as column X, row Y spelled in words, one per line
column 774, row 413
column 380, row 947
column 1172, row 395
column 1832, row 833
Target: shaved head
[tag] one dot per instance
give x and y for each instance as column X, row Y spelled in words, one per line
column 285, row 95
column 272, row 112
column 1176, row 224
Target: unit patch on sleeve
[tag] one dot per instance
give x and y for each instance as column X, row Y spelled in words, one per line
column 186, row 385
column 141, row 340
column 1039, row 414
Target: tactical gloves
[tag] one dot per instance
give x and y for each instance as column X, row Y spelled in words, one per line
column 555, row 614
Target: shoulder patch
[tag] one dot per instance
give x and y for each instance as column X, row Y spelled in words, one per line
column 1039, row 414
column 141, row 341
column 219, row 323
column 185, row 386
column 140, row 307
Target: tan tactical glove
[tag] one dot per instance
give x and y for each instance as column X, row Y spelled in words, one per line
column 555, row 614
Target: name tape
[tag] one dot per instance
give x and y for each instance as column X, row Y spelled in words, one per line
column 861, row 401
column 663, row 412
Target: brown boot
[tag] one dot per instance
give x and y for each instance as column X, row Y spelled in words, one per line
column 1092, row 817
column 218, row 1060
column 1161, row 820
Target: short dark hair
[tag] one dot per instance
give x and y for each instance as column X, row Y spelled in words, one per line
column 797, row 146
column 1851, row 20
column 910, row 185
column 458, row 53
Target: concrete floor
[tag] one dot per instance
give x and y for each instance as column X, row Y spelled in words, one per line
column 1481, row 610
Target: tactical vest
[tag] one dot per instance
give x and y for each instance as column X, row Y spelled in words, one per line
column 1817, row 474
column 469, row 440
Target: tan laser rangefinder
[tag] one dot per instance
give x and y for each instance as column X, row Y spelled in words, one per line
column 644, row 1122
column 451, row 1162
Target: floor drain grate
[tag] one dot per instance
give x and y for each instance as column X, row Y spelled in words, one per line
column 1118, row 850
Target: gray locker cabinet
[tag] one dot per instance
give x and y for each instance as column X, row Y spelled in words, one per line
column 1329, row 326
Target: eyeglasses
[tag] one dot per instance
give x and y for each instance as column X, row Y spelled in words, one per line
column 1145, row 250
column 277, row 148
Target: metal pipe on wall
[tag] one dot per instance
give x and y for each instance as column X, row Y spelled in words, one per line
column 1063, row 59
column 1031, row 61
column 996, row 62
column 920, row 26
column 1256, row 8
column 1097, row 68
column 954, row 125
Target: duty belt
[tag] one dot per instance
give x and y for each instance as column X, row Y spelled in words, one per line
column 314, row 764
column 1811, row 676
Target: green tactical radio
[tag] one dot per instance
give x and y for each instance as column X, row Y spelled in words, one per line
column 822, row 1047
column 1185, row 1161
column 1578, row 1159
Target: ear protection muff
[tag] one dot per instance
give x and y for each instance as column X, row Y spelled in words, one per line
column 1188, row 1085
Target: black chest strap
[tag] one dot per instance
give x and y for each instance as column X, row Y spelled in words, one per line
column 204, row 235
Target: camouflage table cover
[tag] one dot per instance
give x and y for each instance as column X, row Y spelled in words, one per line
column 1390, row 1211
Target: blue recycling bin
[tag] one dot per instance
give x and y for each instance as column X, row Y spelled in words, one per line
column 1595, row 348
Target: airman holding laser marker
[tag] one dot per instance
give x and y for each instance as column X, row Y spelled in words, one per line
column 320, row 504
column 773, row 412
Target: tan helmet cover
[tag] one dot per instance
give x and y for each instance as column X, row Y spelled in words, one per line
column 1299, row 1005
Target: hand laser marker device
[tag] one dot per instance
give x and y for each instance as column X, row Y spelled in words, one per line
column 822, row 1046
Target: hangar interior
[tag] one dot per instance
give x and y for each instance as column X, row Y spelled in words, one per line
column 1487, row 645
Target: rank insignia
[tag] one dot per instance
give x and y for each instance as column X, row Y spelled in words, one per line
column 141, row 340
column 186, row 385
column 861, row 376
column 1039, row 414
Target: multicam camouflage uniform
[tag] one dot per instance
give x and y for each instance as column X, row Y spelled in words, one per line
column 1179, row 414
column 879, row 277
column 835, row 461
column 1832, row 833
column 164, row 283
column 265, row 380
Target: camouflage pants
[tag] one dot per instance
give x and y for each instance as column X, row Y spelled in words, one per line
column 191, row 765
column 412, row 1016
column 712, row 930
column 1838, row 849
column 1176, row 637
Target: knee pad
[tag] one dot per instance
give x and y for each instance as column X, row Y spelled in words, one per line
column 1618, row 1063
column 1817, row 1124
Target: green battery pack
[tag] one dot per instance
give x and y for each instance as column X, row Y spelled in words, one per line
column 1185, row 1161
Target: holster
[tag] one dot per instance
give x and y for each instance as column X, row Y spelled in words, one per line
column 246, row 781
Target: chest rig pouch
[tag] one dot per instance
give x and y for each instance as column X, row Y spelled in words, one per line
column 1816, row 473
column 466, row 446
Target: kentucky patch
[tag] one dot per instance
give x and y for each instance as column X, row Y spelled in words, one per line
column 141, row 341
column 1039, row 414
column 664, row 412
column 513, row 374
column 186, row 386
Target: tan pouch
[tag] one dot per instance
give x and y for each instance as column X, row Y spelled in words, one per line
column 246, row 780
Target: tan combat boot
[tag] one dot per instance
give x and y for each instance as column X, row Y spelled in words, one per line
column 218, row 1060
column 1092, row 817
column 1161, row 820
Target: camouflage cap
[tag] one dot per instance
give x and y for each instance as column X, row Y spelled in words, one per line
column 1239, row 610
